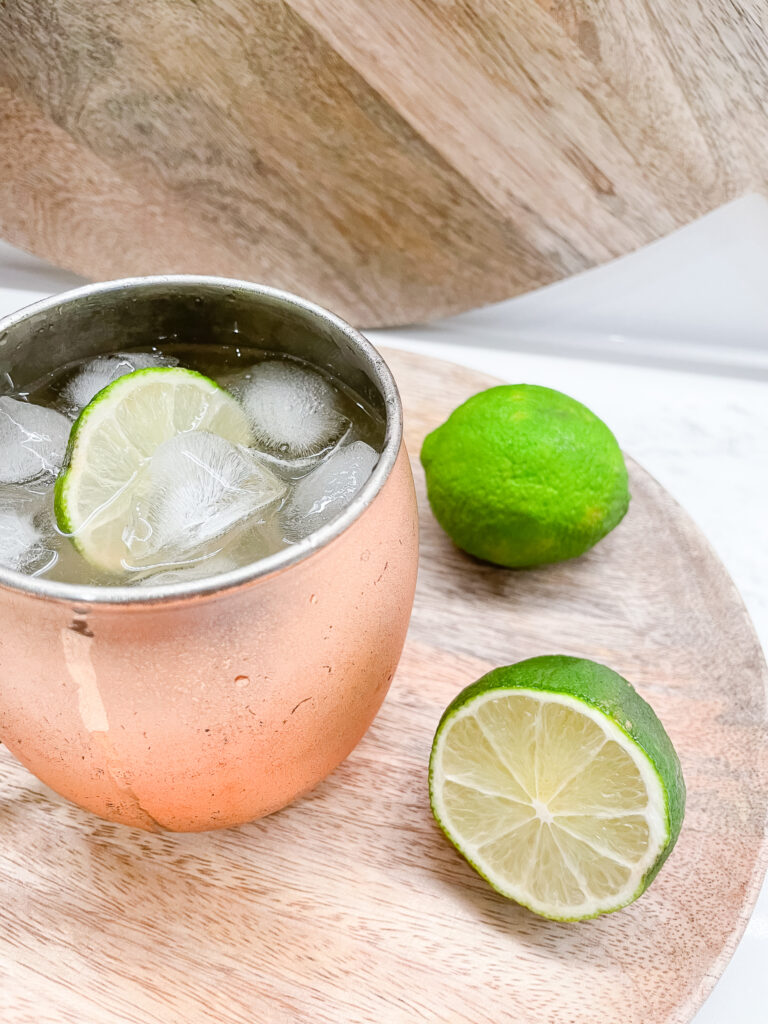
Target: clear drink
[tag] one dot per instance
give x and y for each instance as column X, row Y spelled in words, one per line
column 199, row 503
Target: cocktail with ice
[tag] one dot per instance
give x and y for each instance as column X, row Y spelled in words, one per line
column 175, row 463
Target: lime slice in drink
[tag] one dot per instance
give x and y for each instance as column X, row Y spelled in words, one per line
column 113, row 438
column 559, row 785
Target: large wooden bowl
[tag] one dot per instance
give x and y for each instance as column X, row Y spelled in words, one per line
column 395, row 160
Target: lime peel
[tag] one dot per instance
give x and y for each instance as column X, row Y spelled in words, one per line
column 522, row 475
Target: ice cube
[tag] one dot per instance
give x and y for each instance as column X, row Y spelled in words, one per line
column 33, row 441
column 326, row 491
column 294, row 410
column 25, row 531
column 196, row 570
column 98, row 373
column 196, row 487
column 18, row 537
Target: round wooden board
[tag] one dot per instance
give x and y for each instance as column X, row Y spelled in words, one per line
column 350, row 907
column 393, row 160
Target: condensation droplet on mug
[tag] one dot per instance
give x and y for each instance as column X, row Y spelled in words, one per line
column 365, row 556
column 242, row 681
column 313, row 598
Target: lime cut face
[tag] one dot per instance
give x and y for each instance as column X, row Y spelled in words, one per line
column 112, row 440
column 549, row 795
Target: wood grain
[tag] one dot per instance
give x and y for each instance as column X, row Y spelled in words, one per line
column 394, row 161
column 350, row 907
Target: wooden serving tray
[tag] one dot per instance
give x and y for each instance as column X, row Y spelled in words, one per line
column 350, row 907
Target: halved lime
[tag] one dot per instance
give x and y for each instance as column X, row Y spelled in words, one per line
column 559, row 785
column 115, row 435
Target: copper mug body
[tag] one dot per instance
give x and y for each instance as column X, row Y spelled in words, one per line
column 202, row 705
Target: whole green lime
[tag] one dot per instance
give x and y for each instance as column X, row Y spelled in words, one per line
column 522, row 475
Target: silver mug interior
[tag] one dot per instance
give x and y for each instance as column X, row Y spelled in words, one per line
column 196, row 310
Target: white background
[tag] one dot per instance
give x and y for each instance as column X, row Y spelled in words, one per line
column 670, row 347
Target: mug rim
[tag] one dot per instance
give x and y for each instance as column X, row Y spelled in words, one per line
column 88, row 594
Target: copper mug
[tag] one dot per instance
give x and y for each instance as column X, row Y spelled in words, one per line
column 201, row 705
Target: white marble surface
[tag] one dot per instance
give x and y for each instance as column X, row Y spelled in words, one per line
column 670, row 347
